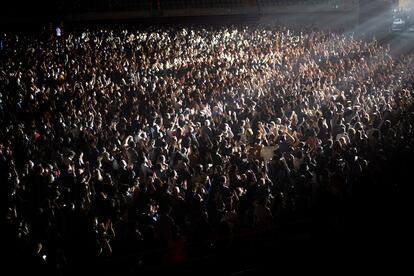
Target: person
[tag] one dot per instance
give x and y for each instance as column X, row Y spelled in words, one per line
column 58, row 32
column 189, row 134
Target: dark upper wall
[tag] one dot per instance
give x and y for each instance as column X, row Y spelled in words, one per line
column 19, row 14
column 373, row 8
column 322, row 12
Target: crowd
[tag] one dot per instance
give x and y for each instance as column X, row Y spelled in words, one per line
column 114, row 142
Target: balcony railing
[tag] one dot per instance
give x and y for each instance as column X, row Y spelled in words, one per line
column 135, row 5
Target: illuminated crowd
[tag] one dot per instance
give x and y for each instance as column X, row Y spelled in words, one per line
column 114, row 142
